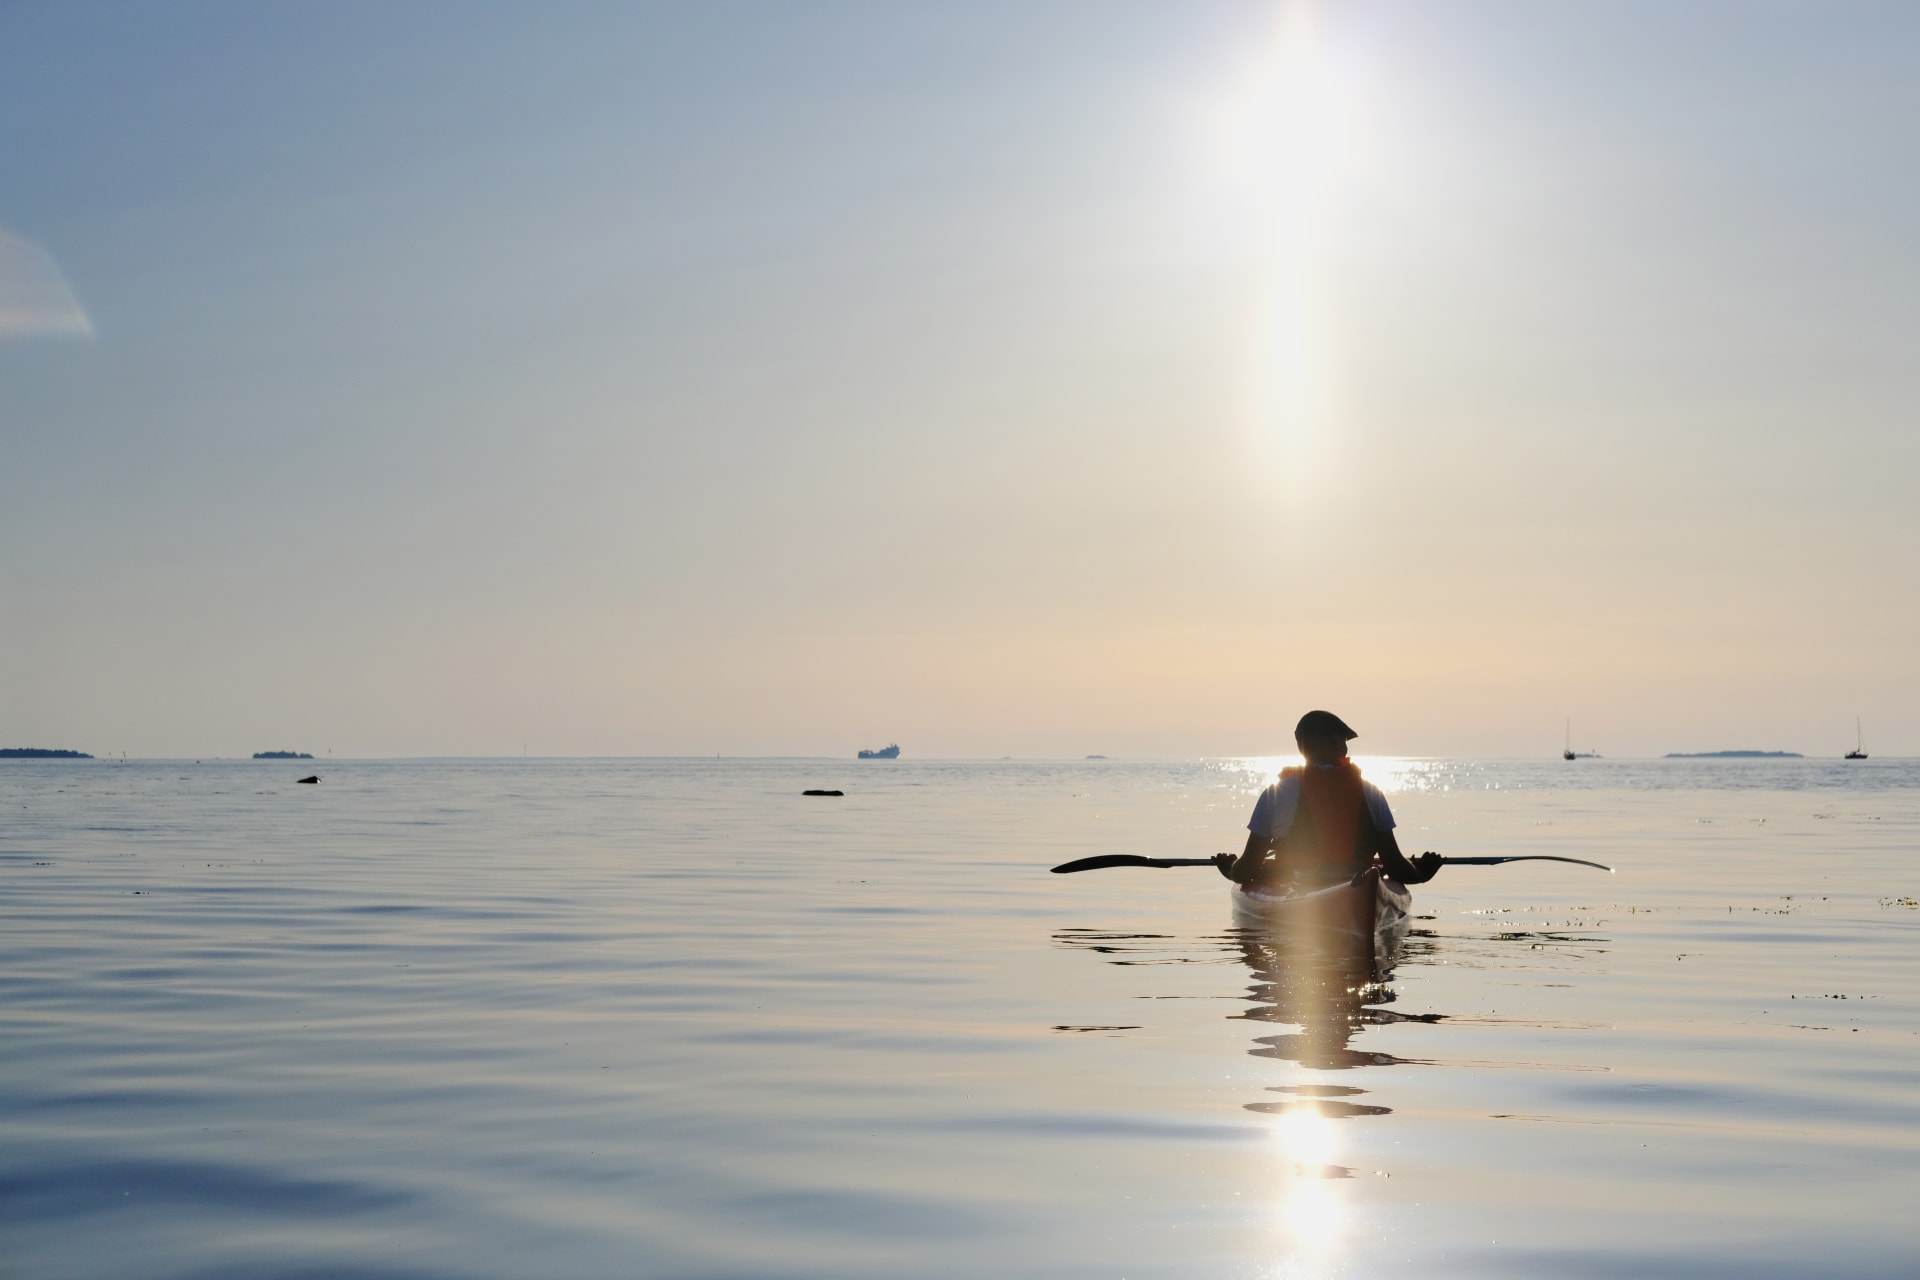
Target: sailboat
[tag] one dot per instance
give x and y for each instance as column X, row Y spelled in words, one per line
column 1859, row 751
column 1567, row 754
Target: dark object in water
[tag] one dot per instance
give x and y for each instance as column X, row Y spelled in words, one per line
column 889, row 752
column 823, row 793
column 314, row 778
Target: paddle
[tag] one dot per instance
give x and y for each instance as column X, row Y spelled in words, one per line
column 1105, row 860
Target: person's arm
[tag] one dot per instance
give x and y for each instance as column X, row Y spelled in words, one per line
column 1396, row 864
column 1242, row 869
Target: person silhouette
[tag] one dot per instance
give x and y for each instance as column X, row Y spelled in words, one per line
column 1321, row 823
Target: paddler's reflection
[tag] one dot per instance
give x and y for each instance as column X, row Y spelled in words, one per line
column 1330, row 988
column 1325, row 988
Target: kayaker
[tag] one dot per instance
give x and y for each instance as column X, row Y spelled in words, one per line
column 1321, row 823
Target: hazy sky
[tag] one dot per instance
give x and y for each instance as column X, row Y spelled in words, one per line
column 997, row 379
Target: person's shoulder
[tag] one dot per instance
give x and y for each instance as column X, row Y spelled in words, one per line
column 1376, row 798
column 1286, row 784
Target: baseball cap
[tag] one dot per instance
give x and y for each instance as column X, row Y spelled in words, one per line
column 1323, row 724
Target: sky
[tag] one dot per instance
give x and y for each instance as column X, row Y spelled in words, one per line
column 994, row 379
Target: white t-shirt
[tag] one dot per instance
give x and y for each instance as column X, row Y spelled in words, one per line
column 1273, row 811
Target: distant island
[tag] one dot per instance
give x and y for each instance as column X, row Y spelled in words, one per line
column 283, row 755
column 1096, row 757
column 1734, row 755
column 890, row 752
column 41, row 753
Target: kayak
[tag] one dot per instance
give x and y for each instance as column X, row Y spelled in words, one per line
column 1350, row 910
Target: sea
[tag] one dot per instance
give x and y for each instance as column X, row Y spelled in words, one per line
column 504, row 1019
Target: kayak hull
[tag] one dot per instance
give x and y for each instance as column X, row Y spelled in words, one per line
column 1360, row 909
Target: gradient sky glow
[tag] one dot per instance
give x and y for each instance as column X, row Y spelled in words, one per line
column 996, row 379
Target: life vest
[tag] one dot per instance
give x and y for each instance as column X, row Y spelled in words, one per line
column 1332, row 837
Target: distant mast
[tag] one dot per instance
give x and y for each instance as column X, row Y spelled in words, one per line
column 1859, row 751
column 1566, row 753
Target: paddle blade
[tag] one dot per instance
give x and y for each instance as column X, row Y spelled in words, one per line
column 1105, row 860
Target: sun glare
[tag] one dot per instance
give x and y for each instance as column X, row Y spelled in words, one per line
column 1292, row 134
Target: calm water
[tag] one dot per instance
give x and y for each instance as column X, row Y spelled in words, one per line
column 672, row 1019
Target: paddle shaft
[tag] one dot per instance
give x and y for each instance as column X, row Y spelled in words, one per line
column 1521, row 857
column 1103, row 861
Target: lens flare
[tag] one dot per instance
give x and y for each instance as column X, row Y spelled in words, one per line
column 35, row 300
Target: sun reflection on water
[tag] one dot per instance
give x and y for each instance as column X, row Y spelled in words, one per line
column 1312, row 1208
column 1392, row 774
column 1310, row 991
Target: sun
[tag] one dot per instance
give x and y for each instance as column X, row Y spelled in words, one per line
column 1298, row 119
